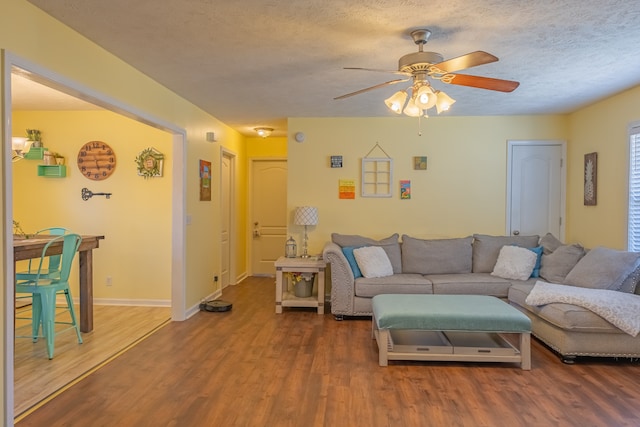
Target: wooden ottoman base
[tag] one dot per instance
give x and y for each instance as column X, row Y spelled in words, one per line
column 410, row 327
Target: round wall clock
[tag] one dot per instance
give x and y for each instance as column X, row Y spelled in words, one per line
column 96, row 160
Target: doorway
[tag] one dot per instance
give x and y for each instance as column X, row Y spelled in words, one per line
column 268, row 214
column 47, row 78
column 536, row 181
column 228, row 216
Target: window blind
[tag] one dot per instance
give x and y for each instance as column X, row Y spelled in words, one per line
column 633, row 222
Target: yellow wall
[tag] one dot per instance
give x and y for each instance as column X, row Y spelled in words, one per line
column 461, row 192
column 58, row 49
column 602, row 128
column 135, row 220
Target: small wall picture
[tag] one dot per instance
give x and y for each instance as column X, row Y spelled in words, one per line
column 591, row 179
column 150, row 163
column 205, row 180
column 405, row 190
column 420, row 163
column 336, row 161
column 347, row 189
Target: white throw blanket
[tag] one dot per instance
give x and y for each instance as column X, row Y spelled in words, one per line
column 618, row 308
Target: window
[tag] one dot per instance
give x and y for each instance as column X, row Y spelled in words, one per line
column 633, row 222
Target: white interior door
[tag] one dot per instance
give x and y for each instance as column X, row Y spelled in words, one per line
column 227, row 234
column 535, row 188
column 268, row 214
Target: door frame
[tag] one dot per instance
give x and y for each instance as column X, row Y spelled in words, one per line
column 233, row 235
column 40, row 74
column 249, row 224
column 563, row 179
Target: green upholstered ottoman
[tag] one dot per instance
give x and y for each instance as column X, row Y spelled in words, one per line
column 449, row 327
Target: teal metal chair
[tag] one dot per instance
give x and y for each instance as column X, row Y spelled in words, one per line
column 52, row 269
column 43, row 291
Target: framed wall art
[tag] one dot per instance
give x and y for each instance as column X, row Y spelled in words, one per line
column 591, row 179
column 420, row 163
column 205, row 180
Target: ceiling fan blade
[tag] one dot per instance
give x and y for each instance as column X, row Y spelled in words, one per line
column 469, row 60
column 378, row 71
column 480, row 82
column 358, row 92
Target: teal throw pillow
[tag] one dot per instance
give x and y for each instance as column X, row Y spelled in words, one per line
column 348, row 253
column 536, row 269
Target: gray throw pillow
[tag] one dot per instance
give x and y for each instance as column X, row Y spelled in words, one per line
column 487, row 248
column 390, row 245
column 630, row 284
column 602, row 268
column 549, row 243
column 555, row 266
column 436, row 256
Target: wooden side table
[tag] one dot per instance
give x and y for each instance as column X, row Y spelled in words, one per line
column 286, row 298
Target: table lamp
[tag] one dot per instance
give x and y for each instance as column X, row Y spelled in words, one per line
column 305, row 215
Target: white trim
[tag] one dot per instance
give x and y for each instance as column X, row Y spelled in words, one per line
column 8, row 62
column 233, row 235
column 632, row 128
column 563, row 181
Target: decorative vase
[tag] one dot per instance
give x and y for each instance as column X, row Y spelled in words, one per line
column 303, row 288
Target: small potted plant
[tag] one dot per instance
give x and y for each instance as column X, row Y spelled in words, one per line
column 302, row 283
column 35, row 136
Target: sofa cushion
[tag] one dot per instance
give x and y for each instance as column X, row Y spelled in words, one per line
column 538, row 250
column 373, row 261
column 396, row 284
column 515, row 263
column 469, row 284
column 565, row 316
column 351, row 259
column 390, row 245
column 603, row 268
column 555, row 266
column 549, row 243
column 437, row 256
column 630, row 284
column 486, row 249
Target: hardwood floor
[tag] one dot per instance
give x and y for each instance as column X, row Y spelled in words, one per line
column 116, row 327
column 252, row 367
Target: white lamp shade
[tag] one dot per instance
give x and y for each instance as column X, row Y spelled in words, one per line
column 305, row 215
column 18, row 143
column 444, row 102
column 411, row 109
column 396, row 101
column 425, row 98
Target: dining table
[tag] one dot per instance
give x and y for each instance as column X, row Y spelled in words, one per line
column 31, row 247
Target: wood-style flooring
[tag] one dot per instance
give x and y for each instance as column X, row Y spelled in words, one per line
column 115, row 328
column 252, row 367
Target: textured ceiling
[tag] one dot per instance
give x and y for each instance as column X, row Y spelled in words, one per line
column 256, row 62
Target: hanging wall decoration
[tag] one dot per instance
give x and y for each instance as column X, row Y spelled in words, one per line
column 420, row 163
column 150, row 163
column 347, row 189
column 336, row 161
column 591, row 179
column 405, row 189
column 205, row 180
column 377, row 174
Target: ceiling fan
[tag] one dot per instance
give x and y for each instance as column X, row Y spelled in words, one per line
column 421, row 66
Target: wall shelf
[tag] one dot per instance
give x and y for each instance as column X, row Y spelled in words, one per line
column 35, row 153
column 52, row 171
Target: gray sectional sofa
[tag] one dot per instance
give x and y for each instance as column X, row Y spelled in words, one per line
column 466, row 266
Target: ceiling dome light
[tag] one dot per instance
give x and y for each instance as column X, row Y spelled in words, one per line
column 263, row 132
column 396, row 101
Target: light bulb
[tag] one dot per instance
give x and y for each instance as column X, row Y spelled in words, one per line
column 425, row 98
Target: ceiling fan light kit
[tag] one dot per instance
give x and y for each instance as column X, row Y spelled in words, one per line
column 421, row 66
